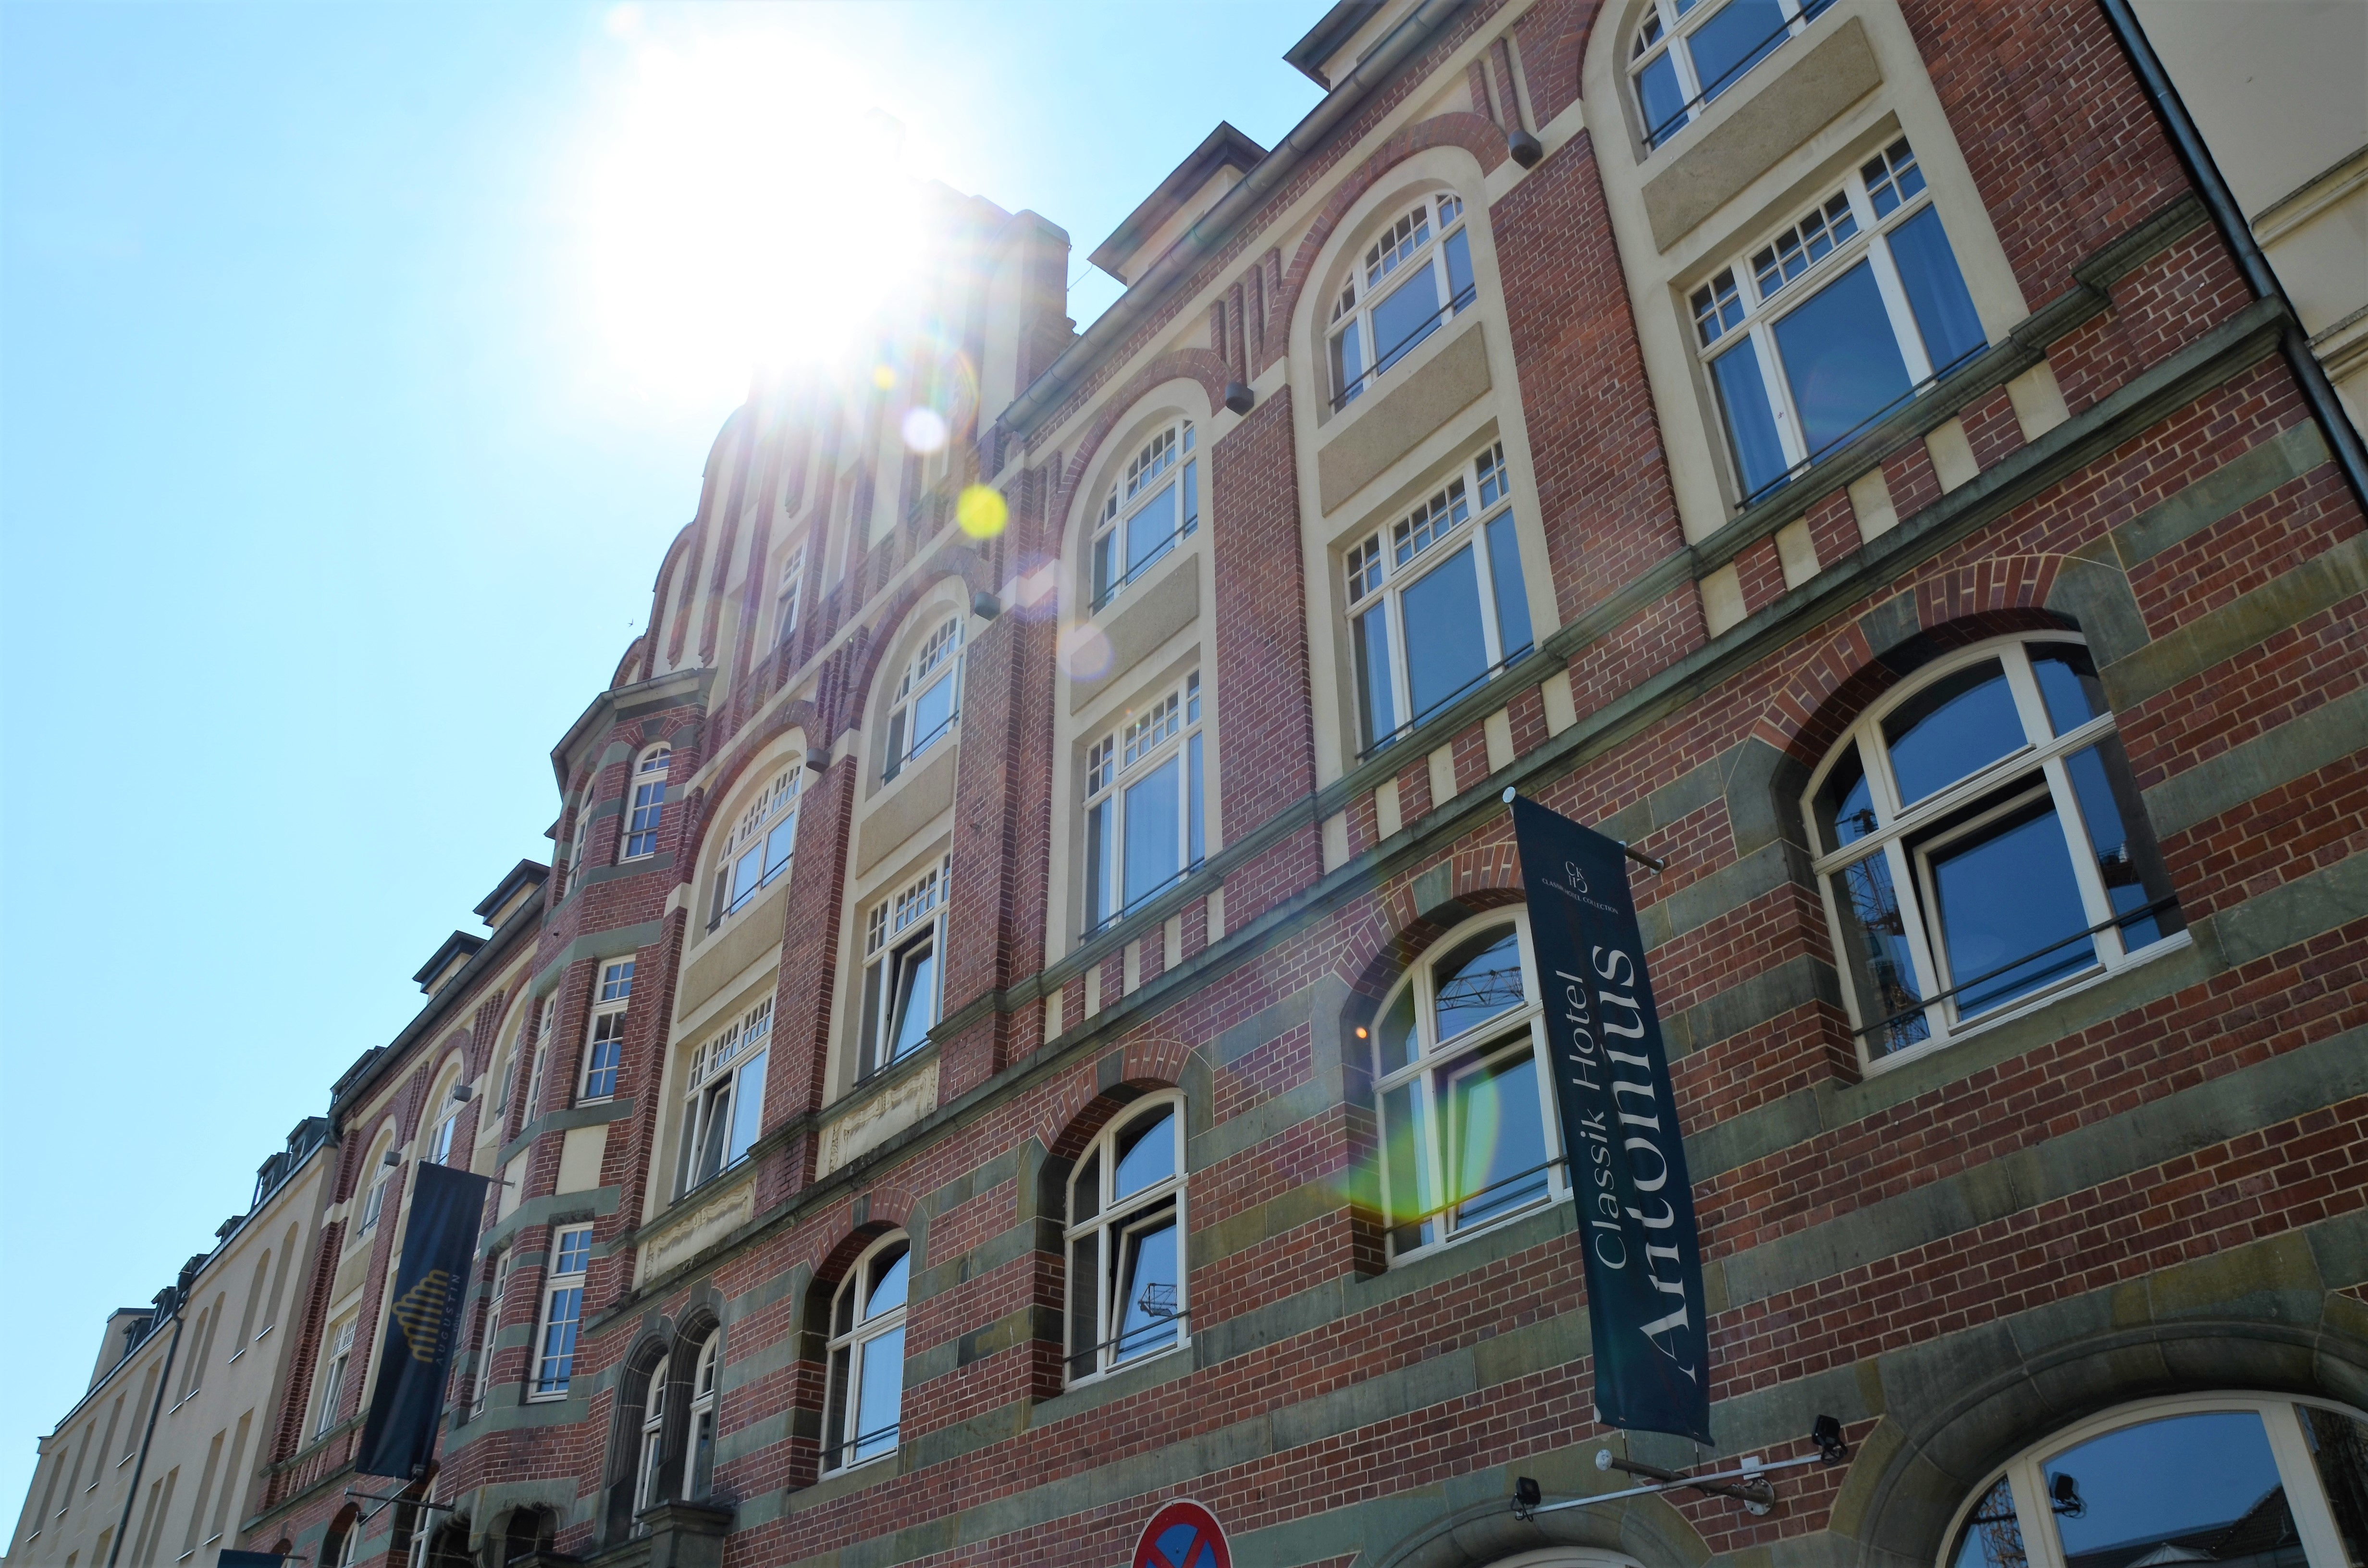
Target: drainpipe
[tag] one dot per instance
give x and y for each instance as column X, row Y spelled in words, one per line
column 180, row 1294
column 2343, row 438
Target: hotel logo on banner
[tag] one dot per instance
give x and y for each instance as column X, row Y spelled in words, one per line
column 1626, row 1156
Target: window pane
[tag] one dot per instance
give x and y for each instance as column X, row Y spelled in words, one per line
column 1152, row 808
column 1405, row 1142
column 1936, row 290
column 1086, row 1191
column 890, row 1276
column 1512, row 594
column 1841, row 358
column 1882, row 973
column 1150, row 531
column 2009, row 911
column 746, row 871
column 1750, row 424
column 1196, row 845
column 1105, row 554
column 1101, row 824
column 716, row 1116
column 1393, row 1038
column 1347, row 365
column 915, row 991
column 1496, row 1131
column 1085, row 1280
column 1445, row 654
column 1458, row 251
column 1405, row 318
column 879, row 1395
column 1478, row 981
column 1992, row 1535
column 1147, row 1290
column 932, row 711
column 2205, row 1487
column 1146, row 1153
column 702, row 1454
column 2069, row 682
column 1663, row 100
column 749, row 1110
column 1734, row 40
column 777, row 845
column 2127, row 859
column 1955, row 726
column 1845, row 806
column 2339, row 1448
column 1380, row 710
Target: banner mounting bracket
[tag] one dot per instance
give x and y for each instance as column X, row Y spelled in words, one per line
column 1650, row 862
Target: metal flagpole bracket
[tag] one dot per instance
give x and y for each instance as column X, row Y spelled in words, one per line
column 1650, row 862
column 1747, row 1483
column 387, row 1500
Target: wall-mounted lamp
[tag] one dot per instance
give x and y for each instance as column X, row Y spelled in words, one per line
column 1827, row 1433
column 389, row 1159
column 462, row 1093
column 819, row 761
column 986, row 606
column 1526, row 149
column 1240, row 398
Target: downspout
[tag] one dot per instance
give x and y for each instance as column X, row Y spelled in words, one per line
column 2334, row 423
column 1202, row 239
column 163, row 1386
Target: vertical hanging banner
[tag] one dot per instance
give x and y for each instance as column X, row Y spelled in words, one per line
column 415, row 1355
column 1627, row 1161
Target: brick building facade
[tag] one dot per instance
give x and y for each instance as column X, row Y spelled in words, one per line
column 1032, row 1017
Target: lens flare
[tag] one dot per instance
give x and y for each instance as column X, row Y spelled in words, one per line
column 924, row 430
column 981, row 511
column 1084, row 652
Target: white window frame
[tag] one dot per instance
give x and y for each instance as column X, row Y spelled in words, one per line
column 574, row 877
column 1165, row 729
column 374, row 1201
column 852, row 1335
column 1735, row 299
column 645, row 806
column 1378, row 568
column 546, row 1026
column 761, row 847
column 649, row 1465
column 723, row 1097
column 699, row 1430
column 604, row 1033
column 1415, row 238
column 1666, row 30
column 562, row 1308
column 2026, row 1479
column 440, row 1139
column 1097, row 1245
column 482, row 1383
column 2042, row 758
column 787, row 594
column 1168, row 452
column 940, row 661
column 333, row 1373
column 1419, row 1222
column 896, row 931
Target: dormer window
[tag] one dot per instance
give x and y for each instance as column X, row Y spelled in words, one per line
column 1147, row 513
column 928, row 699
column 1414, row 278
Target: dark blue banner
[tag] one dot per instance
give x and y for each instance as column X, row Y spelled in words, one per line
column 1619, row 1131
column 415, row 1355
column 231, row 1559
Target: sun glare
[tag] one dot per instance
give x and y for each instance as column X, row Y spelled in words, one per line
column 746, row 207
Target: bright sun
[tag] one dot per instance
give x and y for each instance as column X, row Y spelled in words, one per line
column 746, row 207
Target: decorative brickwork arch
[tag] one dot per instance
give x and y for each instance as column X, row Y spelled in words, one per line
column 1148, row 1061
column 1185, row 364
column 1485, row 1535
column 1477, row 134
column 1415, row 911
column 1989, row 599
column 957, row 562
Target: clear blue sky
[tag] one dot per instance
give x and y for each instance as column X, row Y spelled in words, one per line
column 337, row 447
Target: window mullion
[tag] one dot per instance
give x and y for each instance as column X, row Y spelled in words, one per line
column 1779, row 395
column 1401, row 672
column 1909, row 892
column 1903, row 319
column 2029, row 1485
column 2305, row 1496
column 2096, row 903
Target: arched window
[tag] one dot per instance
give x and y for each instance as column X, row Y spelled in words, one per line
column 2269, row 1482
column 900, row 975
column 339, row 1546
column 698, row 1456
column 1686, row 53
column 1411, row 280
column 377, row 1174
column 446, row 1109
column 1458, row 1053
column 1126, row 1241
column 650, row 1467
column 1437, row 601
column 860, row 1418
column 724, row 1097
column 648, row 802
column 1879, row 311
column 756, row 854
column 1979, row 840
column 928, row 698
column 1148, row 511
column 1145, row 813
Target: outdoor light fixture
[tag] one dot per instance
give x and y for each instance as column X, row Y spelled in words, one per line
column 1240, row 398
column 1526, row 1497
column 1525, row 149
column 2063, row 1495
column 818, row 761
column 462, row 1093
column 986, row 606
column 1827, row 1433
column 389, row 1159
